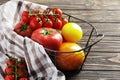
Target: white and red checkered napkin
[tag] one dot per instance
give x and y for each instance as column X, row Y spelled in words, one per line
column 38, row 62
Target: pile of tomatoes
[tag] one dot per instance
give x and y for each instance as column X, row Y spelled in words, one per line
column 16, row 70
column 50, row 29
column 31, row 20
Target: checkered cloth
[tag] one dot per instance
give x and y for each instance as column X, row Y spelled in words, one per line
column 40, row 67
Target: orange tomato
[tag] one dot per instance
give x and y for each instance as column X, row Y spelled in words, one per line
column 70, row 61
column 72, row 32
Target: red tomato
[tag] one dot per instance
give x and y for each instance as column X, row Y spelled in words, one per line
column 21, row 64
column 41, row 16
column 47, row 23
column 9, row 70
column 10, row 77
column 23, row 30
column 25, row 17
column 57, row 11
column 23, row 79
column 48, row 37
column 57, row 24
column 22, row 72
column 64, row 21
column 48, row 14
column 10, row 62
column 35, row 23
column 36, row 12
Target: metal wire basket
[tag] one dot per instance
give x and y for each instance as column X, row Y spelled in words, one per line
column 90, row 38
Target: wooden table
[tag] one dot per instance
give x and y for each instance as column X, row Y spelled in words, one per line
column 103, row 62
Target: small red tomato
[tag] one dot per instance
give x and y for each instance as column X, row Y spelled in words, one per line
column 10, row 77
column 36, row 12
column 10, row 61
column 41, row 16
column 23, row 79
column 48, row 14
column 64, row 21
column 57, row 11
column 23, row 30
column 48, row 37
column 21, row 64
column 22, row 72
column 25, row 17
column 9, row 70
column 36, row 23
column 47, row 23
column 57, row 24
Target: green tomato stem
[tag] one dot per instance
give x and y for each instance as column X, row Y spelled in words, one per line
column 46, row 32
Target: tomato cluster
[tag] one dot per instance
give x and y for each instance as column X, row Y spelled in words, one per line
column 31, row 20
column 16, row 70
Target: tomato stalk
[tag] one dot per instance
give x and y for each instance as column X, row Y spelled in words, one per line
column 39, row 20
column 23, row 27
column 46, row 32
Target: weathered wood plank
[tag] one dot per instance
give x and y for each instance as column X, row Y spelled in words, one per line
column 102, row 61
column 81, row 4
column 97, row 75
column 108, row 29
column 95, row 16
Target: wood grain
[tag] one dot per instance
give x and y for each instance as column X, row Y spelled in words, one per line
column 81, row 4
column 97, row 75
column 103, row 62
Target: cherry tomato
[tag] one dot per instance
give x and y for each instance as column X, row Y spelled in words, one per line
column 57, row 11
column 57, row 24
column 48, row 14
column 35, row 23
column 25, row 17
column 10, row 61
column 9, row 70
column 64, row 21
column 23, row 79
column 47, row 23
column 22, row 72
column 72, row 60
column 10, row 77
column 21, row 64
column 23, row 30
column 48, row 37
column 36, row 12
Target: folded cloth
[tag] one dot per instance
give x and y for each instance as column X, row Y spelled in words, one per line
column 40, row 66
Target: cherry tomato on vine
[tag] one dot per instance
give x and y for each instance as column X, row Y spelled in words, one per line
column 64, row 21
column 10, row 77
column 35, row 23
column 9, row 70
column 47, row 23
column 23, row 29
column 25, row 17
column 57, row 24
column 57, row 11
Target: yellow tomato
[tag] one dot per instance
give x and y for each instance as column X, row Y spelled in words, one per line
column 72, row 32
column 70, row 61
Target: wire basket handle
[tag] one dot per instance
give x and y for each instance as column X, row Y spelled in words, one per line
column 98, row 39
